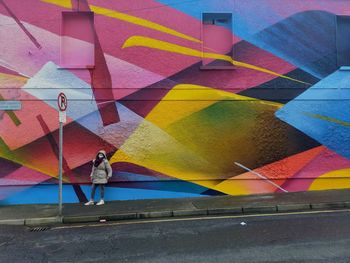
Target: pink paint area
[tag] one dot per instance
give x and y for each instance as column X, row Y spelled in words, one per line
column 24, row 176
column 119, row 31
column 77, row 54
column 20, row 53
column 160, row 62
column 128, row 78
column 26, row 59
column 217, row 39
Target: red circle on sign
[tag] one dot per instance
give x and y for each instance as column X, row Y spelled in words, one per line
column 62, row 101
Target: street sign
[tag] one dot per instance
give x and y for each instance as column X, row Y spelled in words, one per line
column 62, row 106
column 62, row 101
column 10, row 105
column 62, row 117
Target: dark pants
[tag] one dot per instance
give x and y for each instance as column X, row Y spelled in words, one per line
column 93, row 189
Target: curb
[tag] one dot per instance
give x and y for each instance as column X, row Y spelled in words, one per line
column 328, row 205
column 258, row 209
column 225, row 211
column 156, row 214
column 12, row 222
column 197, row 212
column 293, row 207
column 42, row 221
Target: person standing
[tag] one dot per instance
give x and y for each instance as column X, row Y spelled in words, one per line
column 101, row 172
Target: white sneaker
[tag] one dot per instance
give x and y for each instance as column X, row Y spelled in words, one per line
column 101, row 202
column 90, row 203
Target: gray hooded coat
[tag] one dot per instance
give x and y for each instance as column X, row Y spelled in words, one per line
column 101, row 173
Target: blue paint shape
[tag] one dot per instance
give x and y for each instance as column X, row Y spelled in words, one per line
column 323, row 112
column 48, row 194
column 306, row 39
column 131, row 180
column 117, row 193
column 41, row 194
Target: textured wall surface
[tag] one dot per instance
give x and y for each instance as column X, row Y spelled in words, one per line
column 180, row 112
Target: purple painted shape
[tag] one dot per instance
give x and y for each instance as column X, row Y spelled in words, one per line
column 31, row 37
column 137, row 169
column 7, row 167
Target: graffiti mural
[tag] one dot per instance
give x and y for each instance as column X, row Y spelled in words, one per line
column 188, row 98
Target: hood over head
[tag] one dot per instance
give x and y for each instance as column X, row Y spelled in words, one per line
column 103, row 152
column 98, row 160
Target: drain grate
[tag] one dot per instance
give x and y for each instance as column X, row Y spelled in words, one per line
column 39, row 229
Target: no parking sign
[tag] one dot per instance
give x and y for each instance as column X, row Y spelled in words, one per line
column 62, row 106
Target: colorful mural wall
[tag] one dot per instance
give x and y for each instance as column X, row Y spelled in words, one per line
column 188, row 98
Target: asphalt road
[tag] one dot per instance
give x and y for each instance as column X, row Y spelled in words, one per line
column 323, row 237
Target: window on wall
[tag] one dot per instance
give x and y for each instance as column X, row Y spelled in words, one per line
column 343, row 41
column 217, row 38
column 77, row 40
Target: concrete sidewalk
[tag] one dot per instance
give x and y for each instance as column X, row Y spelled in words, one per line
column 155, row 208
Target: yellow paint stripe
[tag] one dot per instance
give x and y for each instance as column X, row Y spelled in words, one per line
column 141, row 22
column 326, row 118
column 62, row 3
column 338, row 179
column 128, row 18
column 142, row 41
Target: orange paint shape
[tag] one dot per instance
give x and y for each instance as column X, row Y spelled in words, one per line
column 278, row 172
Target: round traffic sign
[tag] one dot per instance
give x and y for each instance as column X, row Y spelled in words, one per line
column 62, row 101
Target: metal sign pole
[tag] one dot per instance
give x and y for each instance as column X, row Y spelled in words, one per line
column 60, row 169
column 62, row 107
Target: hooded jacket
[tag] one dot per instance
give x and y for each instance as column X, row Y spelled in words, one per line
column 101, row 173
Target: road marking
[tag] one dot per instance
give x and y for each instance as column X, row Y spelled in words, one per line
column 195, row 219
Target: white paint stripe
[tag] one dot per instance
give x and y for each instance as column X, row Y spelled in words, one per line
column 8, row 66
column 197, row 219
column 261, row 176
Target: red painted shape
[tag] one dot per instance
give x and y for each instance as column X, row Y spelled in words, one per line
column 281, row 172
column 101, row 81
